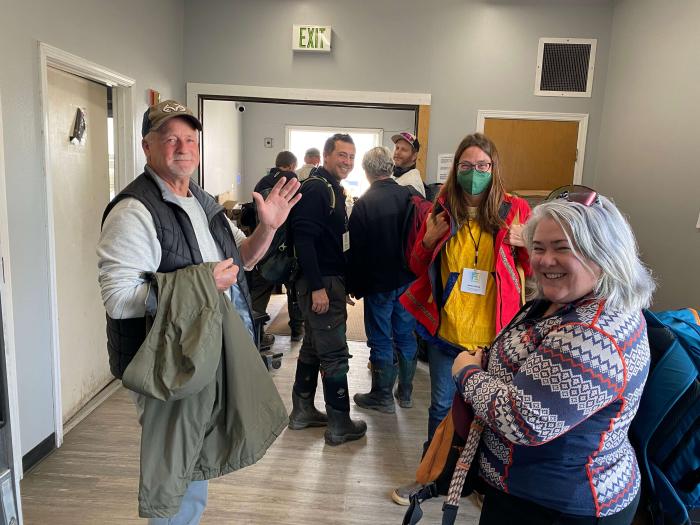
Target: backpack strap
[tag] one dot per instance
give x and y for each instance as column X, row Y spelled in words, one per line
column 414, row 513
column 451, row 505
column 331, row 193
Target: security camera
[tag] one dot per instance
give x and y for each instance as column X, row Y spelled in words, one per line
column 240, row 107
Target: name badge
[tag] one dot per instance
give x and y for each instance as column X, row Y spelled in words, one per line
column 474, row 281
column 346, row 241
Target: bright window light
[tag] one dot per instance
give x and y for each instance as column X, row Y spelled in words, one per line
column 301, row 138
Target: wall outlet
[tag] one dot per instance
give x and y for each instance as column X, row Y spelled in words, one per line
column 268, row 142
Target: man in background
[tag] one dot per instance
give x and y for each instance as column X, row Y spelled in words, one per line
column 312, row 158
column 260, row 289
column 378, row 273
column 406, row 147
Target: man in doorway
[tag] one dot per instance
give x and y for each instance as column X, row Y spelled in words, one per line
column 312, row 158
column 162, row 222
column 377, row 272
column 321, row 240
column 260, row 289
column 406, row 147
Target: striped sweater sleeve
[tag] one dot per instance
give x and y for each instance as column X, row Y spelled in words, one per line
column 575, row 371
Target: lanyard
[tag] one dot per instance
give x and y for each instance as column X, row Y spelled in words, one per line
column 476, row 242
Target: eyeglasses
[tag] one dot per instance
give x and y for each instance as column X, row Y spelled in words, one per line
column 575, row 193
column 482, row 165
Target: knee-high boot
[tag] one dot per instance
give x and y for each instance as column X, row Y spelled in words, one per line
column 407, row 370
column 340, row 427
column 379, row 397
column 304, row 413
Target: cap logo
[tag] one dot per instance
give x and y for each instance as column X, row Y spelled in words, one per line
column 174, row 108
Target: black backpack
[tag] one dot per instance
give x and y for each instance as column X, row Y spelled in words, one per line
column 279, row 264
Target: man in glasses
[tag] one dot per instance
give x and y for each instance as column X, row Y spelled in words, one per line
column 406, row 147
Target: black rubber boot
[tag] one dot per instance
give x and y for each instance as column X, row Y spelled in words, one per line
column 304, row 413
column 340, row 427
column 379, row 397
column 407, row 370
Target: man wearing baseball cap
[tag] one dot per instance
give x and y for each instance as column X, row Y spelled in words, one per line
column 406, row 147
column 163, row 222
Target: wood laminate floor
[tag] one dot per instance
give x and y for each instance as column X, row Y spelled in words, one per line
column 93, row 478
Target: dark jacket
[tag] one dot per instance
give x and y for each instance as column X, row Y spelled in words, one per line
column 269, row 180
column 376, row 260
column 179, row 249
column 317, row 229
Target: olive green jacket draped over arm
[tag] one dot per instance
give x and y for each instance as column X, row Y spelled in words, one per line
column 209, row 406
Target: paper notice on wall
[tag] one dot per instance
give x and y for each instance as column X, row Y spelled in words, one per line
column 444, row 164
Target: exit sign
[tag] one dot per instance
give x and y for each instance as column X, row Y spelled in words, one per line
column 311, row 38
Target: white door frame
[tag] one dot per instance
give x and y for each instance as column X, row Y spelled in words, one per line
column 230, row 91
column 581, row 118
column 8, row 329
column 194, row 90
column 124, row 169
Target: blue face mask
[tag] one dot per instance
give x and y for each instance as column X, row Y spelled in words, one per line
column 474, row 182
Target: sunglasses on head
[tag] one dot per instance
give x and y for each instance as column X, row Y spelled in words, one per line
column 575, row 193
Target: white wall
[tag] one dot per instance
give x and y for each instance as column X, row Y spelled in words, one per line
column 648, row 157
column 221, row 144
column 469, row 54
column 262, row 120
column 142, row 40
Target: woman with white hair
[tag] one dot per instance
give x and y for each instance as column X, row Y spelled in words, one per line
column 562, row 381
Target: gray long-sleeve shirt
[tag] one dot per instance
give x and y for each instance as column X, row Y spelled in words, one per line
column 128, row 247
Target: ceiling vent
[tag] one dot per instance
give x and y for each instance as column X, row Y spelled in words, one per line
column 565, row 67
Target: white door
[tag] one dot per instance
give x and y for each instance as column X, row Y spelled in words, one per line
column 80, row 183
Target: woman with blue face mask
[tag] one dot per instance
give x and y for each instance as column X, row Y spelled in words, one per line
column 470, row 264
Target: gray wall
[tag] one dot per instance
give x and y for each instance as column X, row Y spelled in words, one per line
column 142, row 40
column 648, row 157
column 468, row 54
column 262, row 120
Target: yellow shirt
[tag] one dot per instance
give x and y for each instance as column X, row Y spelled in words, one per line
column 468, row 320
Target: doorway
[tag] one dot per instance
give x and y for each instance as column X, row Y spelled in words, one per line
column 79, row 163
column 75, row 107
column 203, row 96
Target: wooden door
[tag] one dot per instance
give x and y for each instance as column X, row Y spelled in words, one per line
column 537, row 156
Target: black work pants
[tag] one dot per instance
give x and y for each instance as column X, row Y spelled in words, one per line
column 260, row 292
column 325, row 342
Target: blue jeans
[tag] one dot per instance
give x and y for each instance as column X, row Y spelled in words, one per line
column 442, row 387
column 191, row 508
column 389, row 327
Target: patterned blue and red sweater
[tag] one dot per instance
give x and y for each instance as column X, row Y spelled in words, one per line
column 558, row 396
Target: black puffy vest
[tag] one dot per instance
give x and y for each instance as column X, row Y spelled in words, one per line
column 179, row 248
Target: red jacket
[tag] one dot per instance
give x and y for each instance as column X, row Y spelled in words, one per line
column 419, row 298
